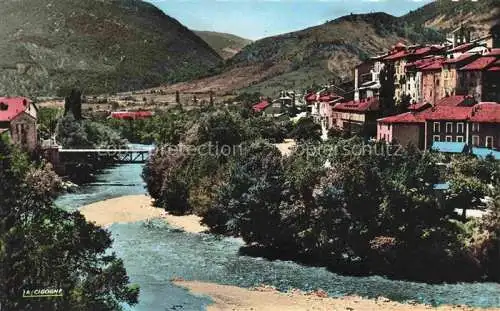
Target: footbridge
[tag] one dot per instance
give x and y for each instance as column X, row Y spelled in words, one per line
column 118, row 156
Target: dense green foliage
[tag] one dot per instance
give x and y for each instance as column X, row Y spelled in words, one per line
column 47, row 121
column 384, row 219
column 43, row 247
column 74, row 134
column 351, row 206
column 198, row 126
column 195, row 151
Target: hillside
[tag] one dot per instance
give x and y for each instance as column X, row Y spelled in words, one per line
column 313, row 55
column 446, row 15
column 226, row 45
column 102, row 46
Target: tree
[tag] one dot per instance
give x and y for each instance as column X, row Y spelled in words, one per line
column 247, row 203
column 387, row 89
column 177, row 97
column 165, row 179
column 469, row 180
column 211, row 102
column 306, row 129
column 42, row 246
column 72, row 134
column 73, row 104
column 222, row 128
column 47, row 120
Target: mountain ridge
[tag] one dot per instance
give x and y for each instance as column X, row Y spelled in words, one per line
column 101, row 46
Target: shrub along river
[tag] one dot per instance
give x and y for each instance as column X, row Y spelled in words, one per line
column 154, row 253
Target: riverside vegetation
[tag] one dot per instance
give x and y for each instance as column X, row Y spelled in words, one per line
column 44, row 247
column 363, row 213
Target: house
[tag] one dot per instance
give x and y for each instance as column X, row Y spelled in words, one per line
column 18, row 120
column 397, row 58
column 449, row 74
column 356, row 116
column 260, row 106
column 404, row 129
column 453, row 119
column 484, row 126
column 477, row 80
column 446, row 124
column 320, row 105
column 413, row 83
column 431, row 80
column 367, row 78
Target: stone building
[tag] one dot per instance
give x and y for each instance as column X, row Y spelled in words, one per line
column 18, row 120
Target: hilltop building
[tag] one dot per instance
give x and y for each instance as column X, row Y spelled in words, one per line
column 18, row 120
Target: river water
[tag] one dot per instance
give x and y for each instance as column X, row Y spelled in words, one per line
column 154, row 253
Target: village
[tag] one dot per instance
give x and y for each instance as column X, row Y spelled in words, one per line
column 448, row 96
column 151, row 162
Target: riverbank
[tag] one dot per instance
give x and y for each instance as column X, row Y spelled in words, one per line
column 134, row 208
column 229, row 298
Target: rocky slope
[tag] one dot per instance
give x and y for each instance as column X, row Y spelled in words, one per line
column 446, row 15
column 101, row 46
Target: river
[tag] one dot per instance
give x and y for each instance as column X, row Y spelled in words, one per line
column 154, row 253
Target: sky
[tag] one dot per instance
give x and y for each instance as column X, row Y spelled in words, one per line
column 255, row 19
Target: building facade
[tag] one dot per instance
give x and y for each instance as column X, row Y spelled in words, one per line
column 18, row 120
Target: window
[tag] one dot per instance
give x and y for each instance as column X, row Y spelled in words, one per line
column 460, row 127
column 475, row 140
column 435, row 138
column 475, row 127
column 449, row 127
column 489, row 141
column 460, row 139
column 449, row 138
column 437, row 127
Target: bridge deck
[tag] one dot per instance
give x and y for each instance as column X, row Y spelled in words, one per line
column 104, row 151
column 115, row 155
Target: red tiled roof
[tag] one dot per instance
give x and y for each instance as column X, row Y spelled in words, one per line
column 125, row 115
column 482, row 113
column 451, row 101
column 447, row 113
column 364, row 105
column 462, row 48
column 260, row 106
column 407, row 117
column 437, row 64
column 493, row 52
column 427, row 49
column 397, row 55
column 328, row 97
column 420, row 63
column 11, row 107
column 480, row 63
column 421, row 51
column 486, row 113
column 418, row 106
column 311, row 97
column 461, row 58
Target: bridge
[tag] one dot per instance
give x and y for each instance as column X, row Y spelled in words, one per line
column 119, row 156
